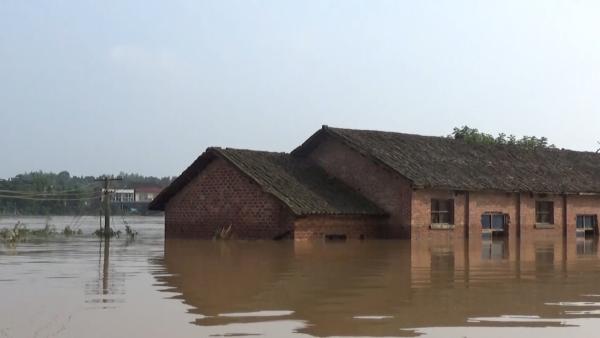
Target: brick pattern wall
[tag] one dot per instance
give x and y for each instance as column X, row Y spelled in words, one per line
column 485, row 202
column 421, row 214
column 221, row 196
column 528, row 228
column 580, row 205
column 384, row 187
column 519, row 207
column 353, row 227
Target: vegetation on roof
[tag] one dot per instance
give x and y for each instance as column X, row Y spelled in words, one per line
column 473, row 135
column 448, row 163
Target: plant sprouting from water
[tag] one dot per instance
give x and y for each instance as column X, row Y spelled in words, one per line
column 15, row 234
column 67, row 231
column 110, row 233
column 20, row 233
column 223, row 232
column 131, row 234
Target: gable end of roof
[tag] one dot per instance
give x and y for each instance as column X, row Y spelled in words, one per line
column 303, row 188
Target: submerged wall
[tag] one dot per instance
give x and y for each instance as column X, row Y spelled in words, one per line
column 421, row 214
column 221, row 196
column 348, row 227
column 386, row 188
column 520, row 209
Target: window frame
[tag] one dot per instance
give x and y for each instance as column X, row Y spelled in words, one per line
column 592, row 217
column 541, row 214
column 436, row 211
column 491, row 214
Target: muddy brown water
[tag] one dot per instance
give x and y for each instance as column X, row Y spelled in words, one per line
column 149, row 287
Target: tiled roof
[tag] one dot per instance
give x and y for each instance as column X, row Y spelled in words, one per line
column 443, row 162
column 303, row 187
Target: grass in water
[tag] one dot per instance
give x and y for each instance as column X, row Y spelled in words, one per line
column 111, row 233
column 21, row 233
column 67, row 231
column 131, row 234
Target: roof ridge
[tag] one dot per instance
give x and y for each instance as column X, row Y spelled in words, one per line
column 300, row 185
column 249, row 150
column 448, row 163
column 451, row 139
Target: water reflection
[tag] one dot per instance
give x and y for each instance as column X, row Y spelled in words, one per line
column 494, row 249
column 108, row 289
column 381, row 288
column 587, row 246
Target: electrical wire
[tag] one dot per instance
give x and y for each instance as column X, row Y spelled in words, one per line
column 49, row 199
column 41, row 193
column 80, row 190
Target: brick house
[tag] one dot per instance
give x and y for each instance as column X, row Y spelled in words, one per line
column 418, row 187
column 261, row 194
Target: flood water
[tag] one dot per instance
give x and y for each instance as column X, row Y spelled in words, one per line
column 149, row 287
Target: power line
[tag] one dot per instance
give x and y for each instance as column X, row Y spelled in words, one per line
column 106, row 194
column 49, row 199
column 79, row 190
column 40, row 194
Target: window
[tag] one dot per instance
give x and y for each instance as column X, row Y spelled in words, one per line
column 442, row 211
column 587, row 222
column 544, row 212
column 494, row 221
column 335, row 237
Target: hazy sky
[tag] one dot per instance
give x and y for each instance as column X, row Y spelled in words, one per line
column 145, row 86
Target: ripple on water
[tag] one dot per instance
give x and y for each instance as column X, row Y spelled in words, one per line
column 262, row 313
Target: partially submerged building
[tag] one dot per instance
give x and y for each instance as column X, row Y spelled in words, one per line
column 344, row 183
column 257, row 194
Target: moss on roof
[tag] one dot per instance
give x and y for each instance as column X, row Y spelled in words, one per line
column 305, row 188
column 441, row 162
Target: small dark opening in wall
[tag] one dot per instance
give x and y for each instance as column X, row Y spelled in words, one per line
column 362, row 236
column 335, row 237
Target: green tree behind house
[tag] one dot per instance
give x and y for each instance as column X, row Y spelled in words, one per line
column 473, row 135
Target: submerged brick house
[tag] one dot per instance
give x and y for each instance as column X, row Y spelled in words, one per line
column 388, row 185
column 263, row 195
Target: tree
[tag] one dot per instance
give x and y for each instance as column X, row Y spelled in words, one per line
column 473, row 135
column 44, row 193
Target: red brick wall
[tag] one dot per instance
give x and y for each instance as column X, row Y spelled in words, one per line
column 580, row 205
column 482, row 202
column 354, row 227
column 386, row 188
column 221, row 196
column 528, row 224
column 421, row 214
column 522, row 221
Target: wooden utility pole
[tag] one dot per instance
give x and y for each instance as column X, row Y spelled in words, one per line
column 106, row 195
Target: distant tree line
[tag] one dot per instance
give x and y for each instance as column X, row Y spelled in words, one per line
column 46, row 193
column 473, row 135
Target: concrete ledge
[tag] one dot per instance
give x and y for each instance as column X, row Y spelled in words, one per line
column 544, row 226
column 441, row 226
